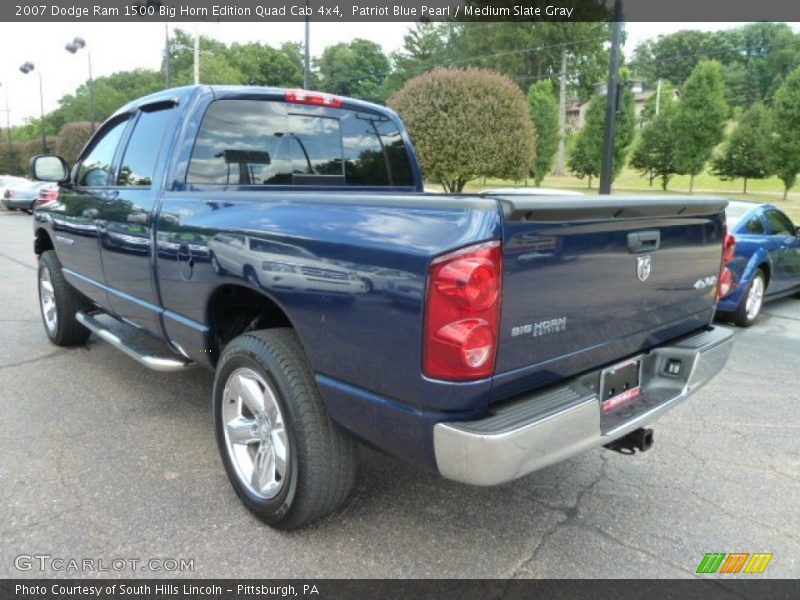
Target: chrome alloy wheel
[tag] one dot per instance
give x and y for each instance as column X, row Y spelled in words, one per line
column 255, row 437
column 755, row 298
column 47, row 299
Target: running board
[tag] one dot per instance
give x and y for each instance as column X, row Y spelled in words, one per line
column 124, row 338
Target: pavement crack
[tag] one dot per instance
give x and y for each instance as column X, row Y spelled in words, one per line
column 33, row 360
column 570, row 512
column 18, row 261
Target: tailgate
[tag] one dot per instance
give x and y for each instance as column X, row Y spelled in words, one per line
column 588, row 280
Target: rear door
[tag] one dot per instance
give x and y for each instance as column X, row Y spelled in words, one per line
column 126, row 219
column 587, row 281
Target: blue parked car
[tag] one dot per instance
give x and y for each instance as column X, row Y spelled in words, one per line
column 765, row 263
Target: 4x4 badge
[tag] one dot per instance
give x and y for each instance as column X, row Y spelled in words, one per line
column 643, row 267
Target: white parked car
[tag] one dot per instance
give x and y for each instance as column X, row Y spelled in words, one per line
column 282, row 266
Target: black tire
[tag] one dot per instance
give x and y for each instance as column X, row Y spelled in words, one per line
column 215, row 266
column 251, row 276
column 68, row 301
column 321, row 462
column 740, row 316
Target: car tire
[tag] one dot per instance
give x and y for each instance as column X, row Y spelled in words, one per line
column 215, row 266
column 250, row 276
column 266, row 403
column 58, row 303
column 752, row 301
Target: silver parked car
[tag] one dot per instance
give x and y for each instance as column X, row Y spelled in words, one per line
column 23, row 195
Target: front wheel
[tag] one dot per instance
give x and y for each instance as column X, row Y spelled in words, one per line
column 752, row 300
column 59, row 302
column 287, row 460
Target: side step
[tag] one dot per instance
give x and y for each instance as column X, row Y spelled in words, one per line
column 132, row 342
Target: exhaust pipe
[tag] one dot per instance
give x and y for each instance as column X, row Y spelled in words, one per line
column 640, row 439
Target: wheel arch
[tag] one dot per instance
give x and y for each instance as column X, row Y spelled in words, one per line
column 233, row 309
column 42, row 241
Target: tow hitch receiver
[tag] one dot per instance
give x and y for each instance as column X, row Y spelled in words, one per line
column 640, row 439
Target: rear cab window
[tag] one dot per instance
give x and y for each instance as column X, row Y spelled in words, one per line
column 270, row 143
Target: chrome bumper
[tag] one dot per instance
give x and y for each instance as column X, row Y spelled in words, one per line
column 539, row 430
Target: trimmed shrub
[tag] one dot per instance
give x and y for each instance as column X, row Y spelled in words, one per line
column 466, row 124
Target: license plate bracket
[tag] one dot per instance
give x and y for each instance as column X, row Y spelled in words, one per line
column 620, row 384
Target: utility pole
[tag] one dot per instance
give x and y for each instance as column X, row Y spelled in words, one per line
column 72, row 48
column 612, row 97
column 307, row 71
column 8, row 131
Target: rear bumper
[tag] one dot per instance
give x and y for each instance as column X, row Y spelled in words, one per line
column 543, row 428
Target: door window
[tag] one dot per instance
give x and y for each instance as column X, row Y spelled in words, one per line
column 96, row 169
column 139, row 163
column 779, row 223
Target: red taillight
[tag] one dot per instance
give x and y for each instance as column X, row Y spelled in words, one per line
column 729, row 248
column 315, row 98
column 462, row 313
column 726, row 283
column 46, row 196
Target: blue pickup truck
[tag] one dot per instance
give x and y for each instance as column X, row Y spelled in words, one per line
column 282, row 238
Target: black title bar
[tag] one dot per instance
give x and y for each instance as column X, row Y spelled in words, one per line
column 396, row 10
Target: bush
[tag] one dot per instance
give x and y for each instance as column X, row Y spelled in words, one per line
column 467, row 124
column 33, row 147
column 10, row 165
column 72, row 138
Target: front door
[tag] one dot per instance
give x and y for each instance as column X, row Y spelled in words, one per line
column 75, row 222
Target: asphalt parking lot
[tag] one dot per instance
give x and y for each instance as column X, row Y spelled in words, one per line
column 100, row 458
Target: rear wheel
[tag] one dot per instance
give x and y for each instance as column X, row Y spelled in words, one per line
column 59, row 302
column 752, row 300
column 287, row 460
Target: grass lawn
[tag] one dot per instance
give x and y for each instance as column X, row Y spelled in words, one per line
column 630, row 182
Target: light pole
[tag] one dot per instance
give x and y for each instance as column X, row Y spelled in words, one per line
column 26, row 68
column 8, row 130
column 72, row 48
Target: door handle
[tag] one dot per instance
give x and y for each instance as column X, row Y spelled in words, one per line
column 644, row 241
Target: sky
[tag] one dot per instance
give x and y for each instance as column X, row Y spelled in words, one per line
column 124, row 46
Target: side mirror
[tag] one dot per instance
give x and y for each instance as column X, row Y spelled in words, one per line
column 49, row 167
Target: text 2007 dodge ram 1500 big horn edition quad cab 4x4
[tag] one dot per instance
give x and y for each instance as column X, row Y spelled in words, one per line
column 282, row 238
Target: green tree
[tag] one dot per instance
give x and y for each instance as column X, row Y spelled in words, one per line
column 655, row 152
column 785, row 160
column 581, row 160
column 72, row 138
column 467, row 124
column 699, row 121
column 358, row 69
column 261, row 64
column 589, row 145
column 544, row 111
column 673, row 57
column 424, row 46
column 747, row 151
column 111, row 92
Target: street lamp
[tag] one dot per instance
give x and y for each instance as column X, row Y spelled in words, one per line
column 26, row 68
column 8, row 129
column 72, row 48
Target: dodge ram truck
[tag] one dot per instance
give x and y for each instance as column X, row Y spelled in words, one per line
column 282, row 238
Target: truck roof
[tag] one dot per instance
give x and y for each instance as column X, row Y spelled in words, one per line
column 181, row 94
